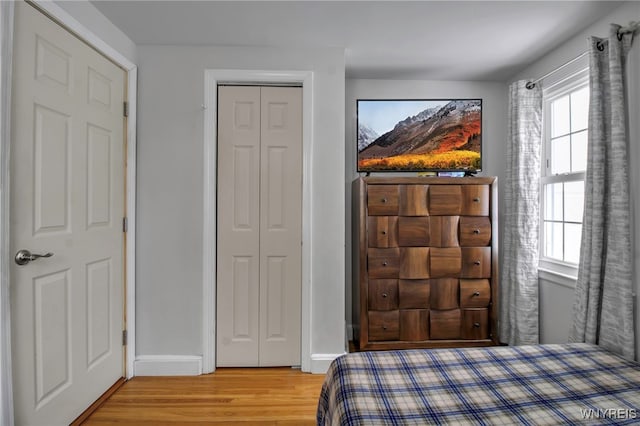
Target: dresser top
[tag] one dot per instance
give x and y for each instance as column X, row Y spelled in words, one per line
column 428, row 180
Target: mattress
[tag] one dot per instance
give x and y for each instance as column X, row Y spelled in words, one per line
column 530, row 385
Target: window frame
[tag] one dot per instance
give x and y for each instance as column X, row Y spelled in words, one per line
column 548, row 267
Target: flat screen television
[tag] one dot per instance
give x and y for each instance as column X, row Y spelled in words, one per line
column 419, row 135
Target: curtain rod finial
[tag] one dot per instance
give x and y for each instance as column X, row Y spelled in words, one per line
column 530, row 85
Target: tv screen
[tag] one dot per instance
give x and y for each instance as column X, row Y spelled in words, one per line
column 419, row 135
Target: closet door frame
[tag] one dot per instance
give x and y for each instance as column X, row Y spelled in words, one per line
column 214, row 77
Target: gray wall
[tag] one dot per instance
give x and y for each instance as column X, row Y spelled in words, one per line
column 494, row 128
column 170, row 191
column 556, row 299
column 85, row 13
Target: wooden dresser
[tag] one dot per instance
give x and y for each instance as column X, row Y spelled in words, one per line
column 425, row 262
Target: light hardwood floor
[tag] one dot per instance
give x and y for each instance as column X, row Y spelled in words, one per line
column 265, row 396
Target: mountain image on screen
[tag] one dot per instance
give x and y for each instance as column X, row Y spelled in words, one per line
column 444, row 138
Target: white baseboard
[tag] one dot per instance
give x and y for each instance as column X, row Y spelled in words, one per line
column 167, row 365
column 320, row 362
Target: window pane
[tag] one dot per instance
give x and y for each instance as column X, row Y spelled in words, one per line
column 560, row 117
column 553, row 240
column 573, row 233
column 579, row 109
column 553, row 201
column 573, row 201
column 579, row 152
column 561, row 155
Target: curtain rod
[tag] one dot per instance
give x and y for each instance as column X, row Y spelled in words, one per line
column 531, row 84
column 631, row 28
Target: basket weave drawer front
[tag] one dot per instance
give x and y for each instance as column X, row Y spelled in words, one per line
column 474, row 231
column 383, row 295
column 414, row 294
column 414, row 324
column 475, row 200
column 444, row 231
column 476, row 262
column 383, row 263
column 414, row 231
column 384, row 325
column 444, row 293
column 382, row 231
column 445, row 262
column 475, row 293
column 445, row 324
column 475, row 324
column 413, row 200
column 414, row 262
column 382, row 200
column 445, row 200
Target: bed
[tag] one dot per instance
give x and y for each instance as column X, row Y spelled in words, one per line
column 542, row 384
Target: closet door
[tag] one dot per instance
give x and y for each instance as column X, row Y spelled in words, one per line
column 259, row 225
column 280, row 225
column 238, row 262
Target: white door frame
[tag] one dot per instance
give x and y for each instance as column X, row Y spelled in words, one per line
column 213, row 77
column 70, row 23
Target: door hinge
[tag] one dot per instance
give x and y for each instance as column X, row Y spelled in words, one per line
column 124, row 337
column 125, row 224
column 126, row 109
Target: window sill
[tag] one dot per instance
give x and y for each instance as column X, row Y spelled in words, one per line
column 557, row 277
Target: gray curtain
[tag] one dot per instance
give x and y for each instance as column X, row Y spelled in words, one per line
column 603, row 306
column 519, row 277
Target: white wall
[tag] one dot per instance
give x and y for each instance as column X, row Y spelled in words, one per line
column 494, row 128
column 555, row 300
column 170, row 188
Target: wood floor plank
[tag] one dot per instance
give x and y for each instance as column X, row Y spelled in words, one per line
column 230, row 396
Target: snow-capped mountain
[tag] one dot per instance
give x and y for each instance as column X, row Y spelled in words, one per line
column 424, row 115
column 366, row 135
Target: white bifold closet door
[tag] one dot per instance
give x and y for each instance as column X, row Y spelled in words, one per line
column 259, row 226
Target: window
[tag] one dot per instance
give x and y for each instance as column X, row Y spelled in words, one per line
column 566, row 110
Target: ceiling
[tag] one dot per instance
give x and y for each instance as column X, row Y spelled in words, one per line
column 437, row 40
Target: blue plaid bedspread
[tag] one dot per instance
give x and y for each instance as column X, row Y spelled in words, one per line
column 530, row 385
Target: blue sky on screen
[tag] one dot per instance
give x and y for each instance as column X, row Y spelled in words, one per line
column 382, row 116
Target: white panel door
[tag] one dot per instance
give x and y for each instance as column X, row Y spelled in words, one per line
column 238, row 226
column 280, row 225
column 259, row 226
column 67, row 198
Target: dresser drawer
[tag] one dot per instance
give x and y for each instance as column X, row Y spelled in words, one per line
column 383, row 262
column 475, row 293
column 445, row 200
column 414, row 262
column 382, row 200
column 414, row 324
column 413, row 200
column 475, row 324
column 475, row 231
column 444, row 293
column 475, row 200
column 382, row 231
column 413, row 231
column 384, row 325
column 444, row 324
column 383, row 295
column 476, row 262
column 444, row 262
column 414, row 294
column 444, row 231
